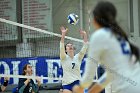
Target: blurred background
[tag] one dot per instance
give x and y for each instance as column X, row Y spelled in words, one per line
column 24, row 44
column 50, row 15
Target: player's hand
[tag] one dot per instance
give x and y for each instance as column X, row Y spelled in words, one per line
column 63, row 30
column 6, row 78
column 82, row 33
column 38, row 79
column 61, row 91
column 28, row 79
column 78, row 89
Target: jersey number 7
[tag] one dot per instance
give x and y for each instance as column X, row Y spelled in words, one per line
column 73, row 65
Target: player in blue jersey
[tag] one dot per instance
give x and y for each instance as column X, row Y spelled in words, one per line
column 110, row 47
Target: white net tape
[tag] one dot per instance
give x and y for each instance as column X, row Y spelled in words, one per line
column 31, row 77
column 37, row 29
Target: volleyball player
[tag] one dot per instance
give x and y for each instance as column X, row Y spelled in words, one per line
column 70, row 62
column 28, row 85
column 3, row 87
column 110, row 46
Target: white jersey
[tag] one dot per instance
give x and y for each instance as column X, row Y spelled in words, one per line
column 115, row 55
column 71, row 67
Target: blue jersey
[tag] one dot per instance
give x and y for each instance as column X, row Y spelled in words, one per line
column 114, row 54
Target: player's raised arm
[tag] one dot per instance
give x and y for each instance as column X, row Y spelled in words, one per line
column 62, row 48
column 85, row 44
column 96, row 48
column 91, row 62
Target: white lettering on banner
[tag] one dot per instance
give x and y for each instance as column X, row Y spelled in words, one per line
column 50, row 70
column 15, row 70
column 56, row 69
column 6, row 67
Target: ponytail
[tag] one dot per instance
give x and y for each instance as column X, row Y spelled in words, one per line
column 105, row 15
column 116, row 29
column 135, row 51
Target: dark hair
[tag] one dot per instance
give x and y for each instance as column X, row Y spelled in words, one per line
column 105, row 15
column 24, row 68
column 65, row 47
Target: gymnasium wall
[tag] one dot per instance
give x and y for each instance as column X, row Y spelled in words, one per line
column 49, row 46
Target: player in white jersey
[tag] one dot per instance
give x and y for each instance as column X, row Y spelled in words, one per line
column 71, row 63
column 110, row 47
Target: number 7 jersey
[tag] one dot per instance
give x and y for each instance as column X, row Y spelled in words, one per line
column 71, row 69
column 71, row 66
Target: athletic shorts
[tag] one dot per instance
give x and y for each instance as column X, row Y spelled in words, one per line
column 70, row 86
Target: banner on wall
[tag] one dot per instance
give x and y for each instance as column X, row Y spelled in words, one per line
column 37, row 13
column 42, row 66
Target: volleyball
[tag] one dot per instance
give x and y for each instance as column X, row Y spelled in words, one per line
column 73, row 19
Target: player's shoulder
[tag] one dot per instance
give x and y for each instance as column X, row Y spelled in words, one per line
column 101, row 34
column 65, row 59
column 76, row 57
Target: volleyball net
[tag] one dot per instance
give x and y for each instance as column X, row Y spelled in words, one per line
column 22, row 44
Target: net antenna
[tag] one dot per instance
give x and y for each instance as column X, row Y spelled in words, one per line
column 89, row 21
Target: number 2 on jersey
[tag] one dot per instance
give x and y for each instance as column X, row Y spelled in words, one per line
column 124, row 47
column 73, row 65
column 30, row 89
